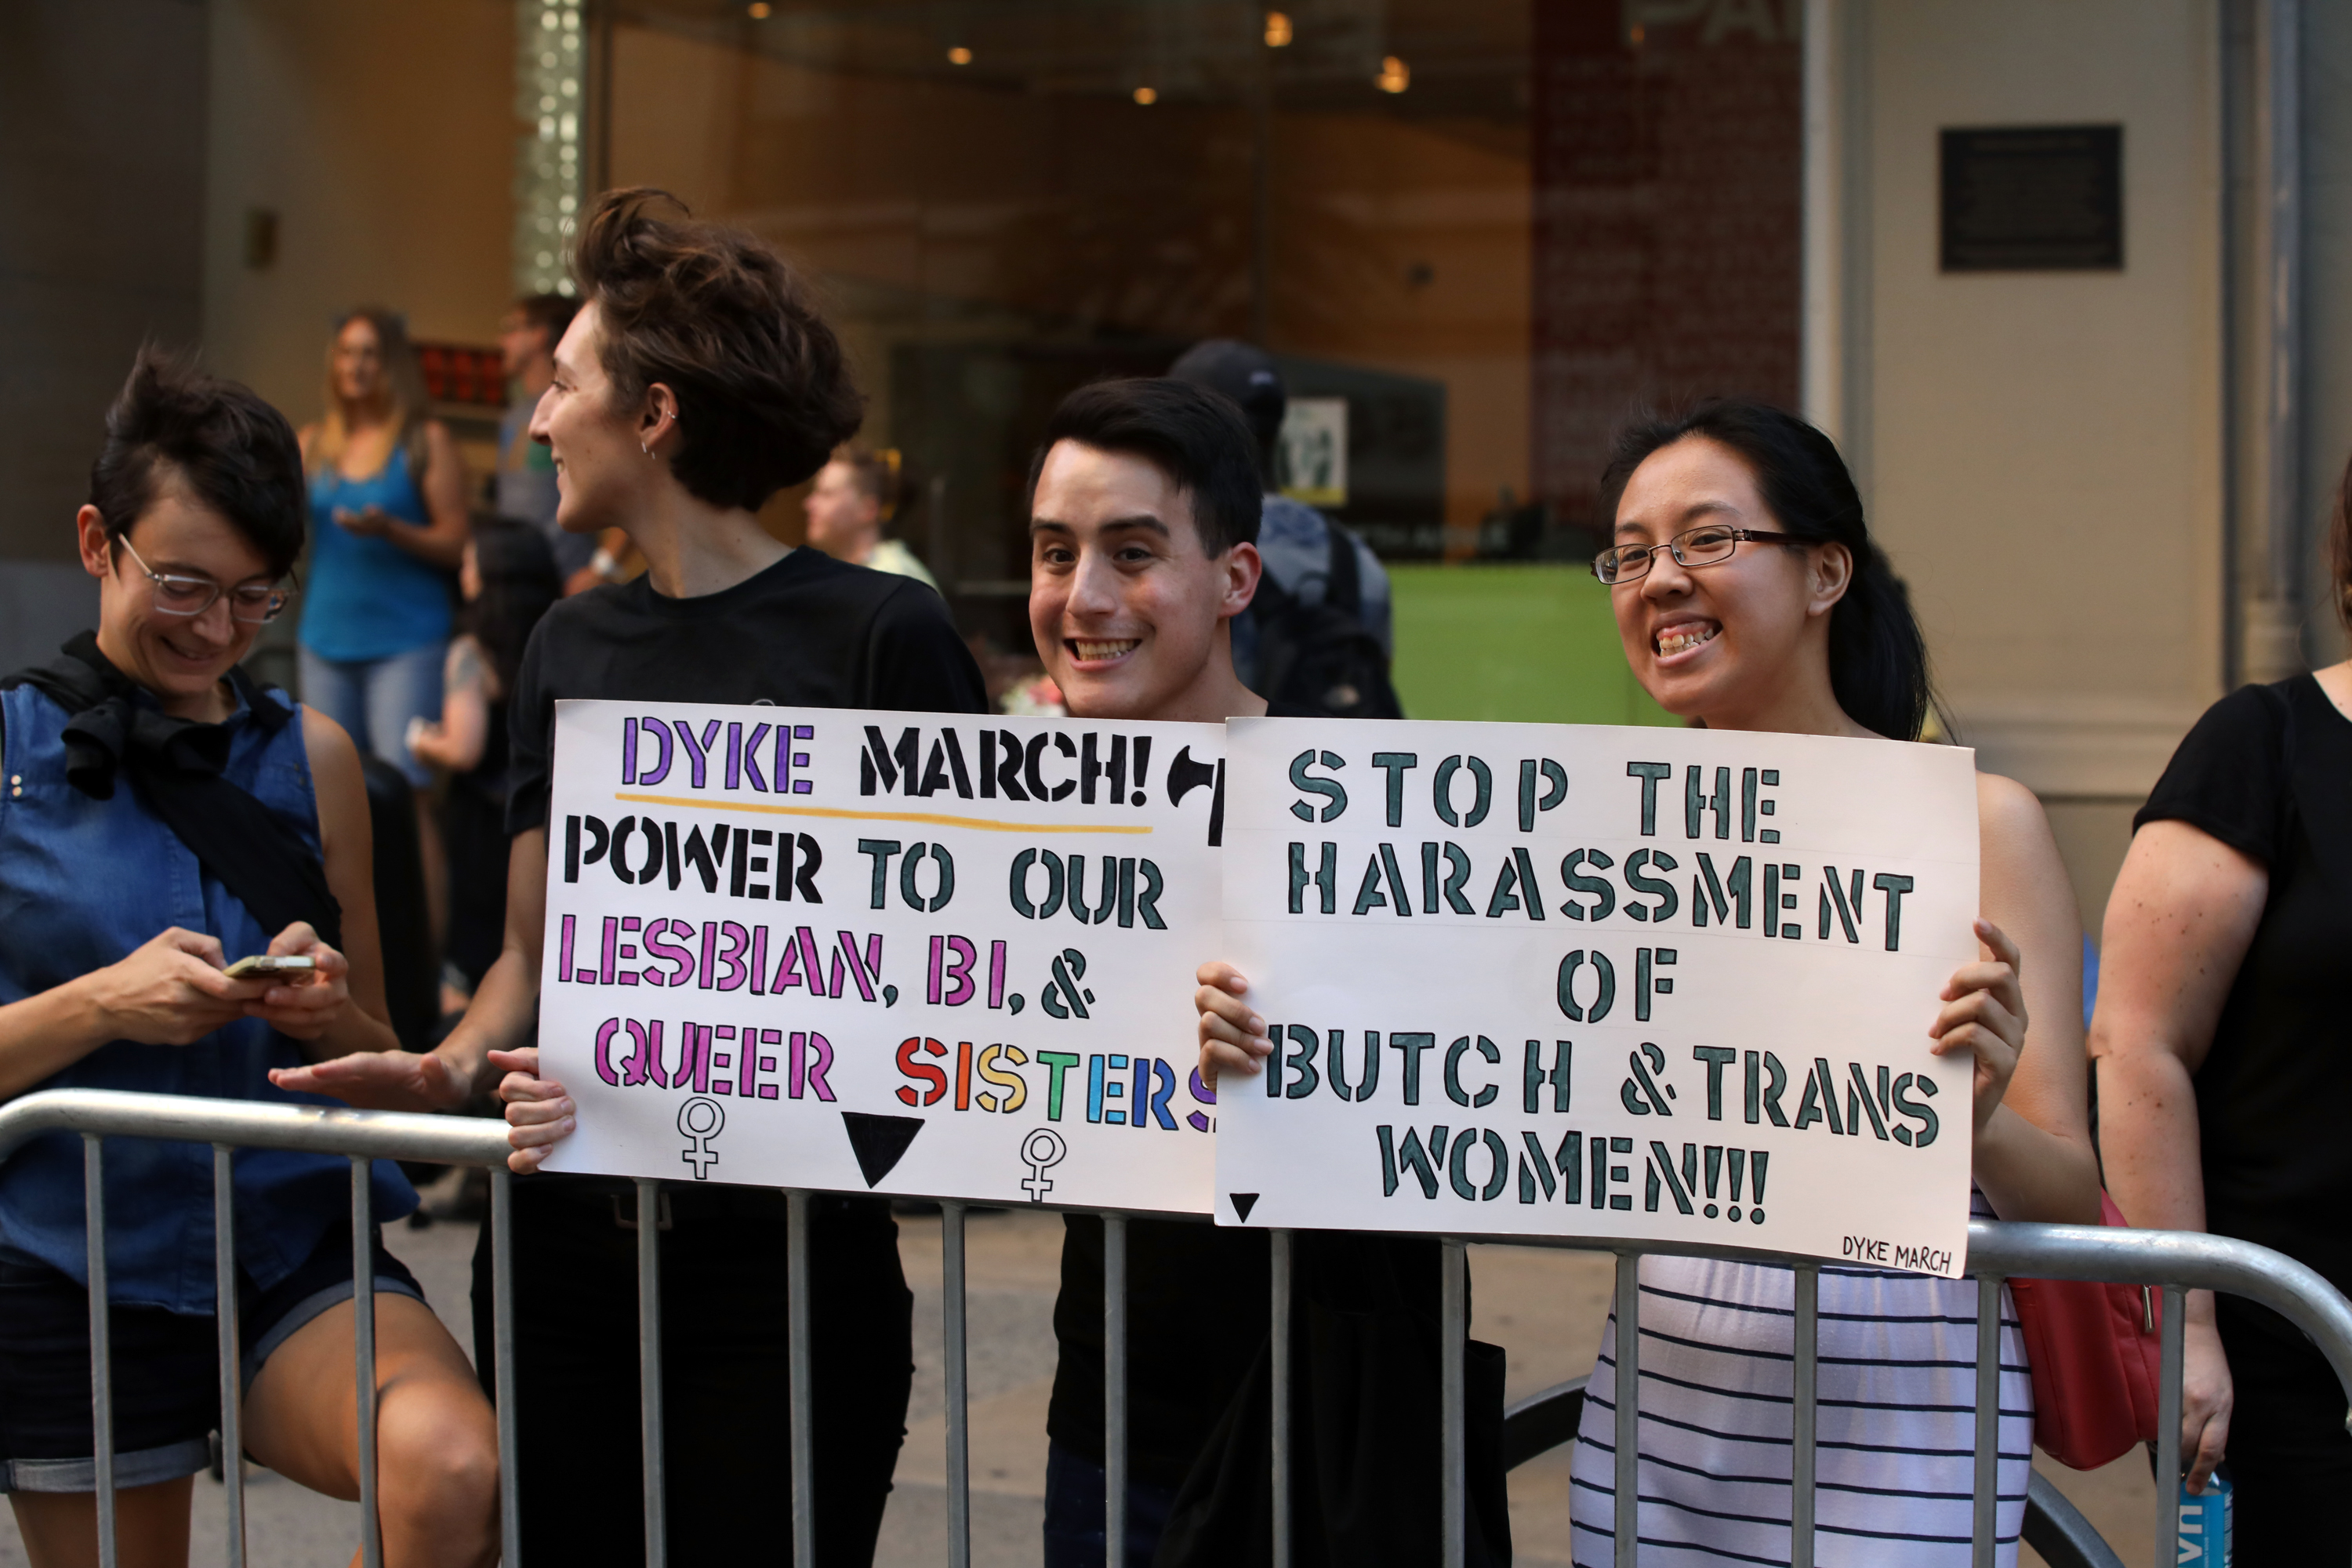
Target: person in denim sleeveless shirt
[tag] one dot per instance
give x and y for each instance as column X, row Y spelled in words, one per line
column 115, row 936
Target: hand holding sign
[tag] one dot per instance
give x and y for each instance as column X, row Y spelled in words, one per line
column 1232, row 1034
column 539, row 1109
column 1984, row 1013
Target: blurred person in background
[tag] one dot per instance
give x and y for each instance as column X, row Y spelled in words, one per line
column 1321, row 634
column 523, row 487
column 854, row 496
column 388, row 515
column 167, row 816
column 2220, row 1040
column 388, row 523
column 508, row 579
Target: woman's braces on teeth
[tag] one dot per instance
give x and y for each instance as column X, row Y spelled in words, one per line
column 1682, row 638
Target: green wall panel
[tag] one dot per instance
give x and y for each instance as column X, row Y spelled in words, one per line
column 1534, row 644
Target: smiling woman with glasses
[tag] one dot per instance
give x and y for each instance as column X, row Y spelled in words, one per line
column 164, row 816
column 1815, row 636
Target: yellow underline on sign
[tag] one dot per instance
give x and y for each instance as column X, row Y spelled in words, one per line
column 929, row 819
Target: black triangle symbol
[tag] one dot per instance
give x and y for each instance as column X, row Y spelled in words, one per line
column 879, row 1142
column 1244, row 1203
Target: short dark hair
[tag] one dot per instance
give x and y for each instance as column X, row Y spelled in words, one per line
column 552, row 311
column 1878, row 660
column 236, row 454
column 876, row 474
column 1195, row 436
column 764, row 393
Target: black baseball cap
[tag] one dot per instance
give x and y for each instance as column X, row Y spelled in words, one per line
column 1242, row 373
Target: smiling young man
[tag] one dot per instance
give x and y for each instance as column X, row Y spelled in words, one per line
column 1143, row 519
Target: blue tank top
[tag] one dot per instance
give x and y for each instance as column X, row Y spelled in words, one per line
column 368, row 598
column 83, row 882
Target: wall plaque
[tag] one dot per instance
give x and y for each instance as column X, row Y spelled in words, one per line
column 2033, row 198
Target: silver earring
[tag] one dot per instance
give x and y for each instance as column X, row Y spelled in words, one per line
column 648, row 451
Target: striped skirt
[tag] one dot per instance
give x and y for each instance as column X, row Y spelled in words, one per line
column 1896, row 1453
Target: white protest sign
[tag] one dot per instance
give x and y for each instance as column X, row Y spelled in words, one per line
column 914, row 953
column 1580, row 980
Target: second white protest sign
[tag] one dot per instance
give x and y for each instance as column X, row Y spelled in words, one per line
column 1580, row 981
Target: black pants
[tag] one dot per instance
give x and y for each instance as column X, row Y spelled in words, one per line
column 2290, row 1457
column 726, row 1410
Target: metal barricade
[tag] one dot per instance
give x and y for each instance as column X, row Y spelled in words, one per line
column 2177, row 1261
column 226, row 1125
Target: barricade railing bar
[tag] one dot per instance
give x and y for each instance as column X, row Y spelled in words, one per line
column 2175, row 1261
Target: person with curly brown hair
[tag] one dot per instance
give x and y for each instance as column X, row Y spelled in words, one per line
column 697, row 381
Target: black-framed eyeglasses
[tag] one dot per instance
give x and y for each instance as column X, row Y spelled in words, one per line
column 251, row 603
column 1701, row 546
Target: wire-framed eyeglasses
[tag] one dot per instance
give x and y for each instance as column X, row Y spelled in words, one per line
column 252, row 602
column 1701, row 546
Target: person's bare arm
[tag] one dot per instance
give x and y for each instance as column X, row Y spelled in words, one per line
column 498, row 1021
column 341, row 1009
column 169, row 991
column 441, row 538
column 506, row 1005
column 457, row 740
column 2033, row 1156
column 2182, row 915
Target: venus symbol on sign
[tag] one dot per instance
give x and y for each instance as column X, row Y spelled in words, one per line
column 1040, row 1151
column 699, row 1121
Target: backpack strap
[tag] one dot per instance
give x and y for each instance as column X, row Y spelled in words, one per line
column 1343, row 587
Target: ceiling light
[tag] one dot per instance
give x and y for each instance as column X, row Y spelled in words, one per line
column 1145, row 95
column 1395, row 76
column 1278, row 30
column 760, row 10
column 959, row 55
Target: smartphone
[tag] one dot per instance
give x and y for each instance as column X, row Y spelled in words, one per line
column 258, row 965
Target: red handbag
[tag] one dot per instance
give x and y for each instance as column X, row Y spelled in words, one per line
column 2095, row 1350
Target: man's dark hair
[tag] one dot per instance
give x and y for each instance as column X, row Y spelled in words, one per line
column 552, row 311
column 764, row 393
column 1191, row 434
column 236, row 454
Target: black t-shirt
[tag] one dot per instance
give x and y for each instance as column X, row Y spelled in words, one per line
column 1195, row 1290
column 808, row 632
column 1180, row 1276
column 2268, row 771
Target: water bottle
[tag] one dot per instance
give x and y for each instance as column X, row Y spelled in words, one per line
column 2206, row 1522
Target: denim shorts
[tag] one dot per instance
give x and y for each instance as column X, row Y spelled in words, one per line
column 165, row 1370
